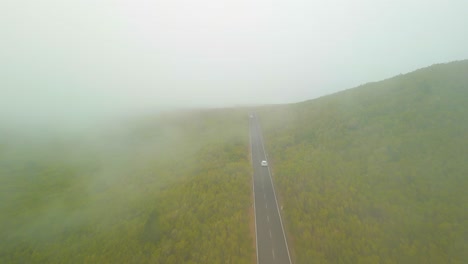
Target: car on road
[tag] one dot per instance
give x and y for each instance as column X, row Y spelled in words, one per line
column 264, row 163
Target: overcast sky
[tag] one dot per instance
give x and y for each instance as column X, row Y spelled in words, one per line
column 83, row 57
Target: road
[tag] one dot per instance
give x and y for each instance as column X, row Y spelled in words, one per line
column 272, row 247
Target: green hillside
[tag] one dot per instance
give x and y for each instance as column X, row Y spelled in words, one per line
column 376, row 174
column 172, row 189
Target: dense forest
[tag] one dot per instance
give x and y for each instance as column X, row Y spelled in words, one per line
column 376, row 174
column 168, row 189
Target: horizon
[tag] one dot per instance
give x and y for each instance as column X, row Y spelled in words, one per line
column 81, row 59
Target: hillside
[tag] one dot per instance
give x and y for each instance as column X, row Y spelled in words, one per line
column 378, row 173
column 168, row 189
column 374, row 174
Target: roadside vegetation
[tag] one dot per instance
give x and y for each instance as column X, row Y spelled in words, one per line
column 376, row 174
column 170, row 189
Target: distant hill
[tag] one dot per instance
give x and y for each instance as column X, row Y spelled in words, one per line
column 378, row 173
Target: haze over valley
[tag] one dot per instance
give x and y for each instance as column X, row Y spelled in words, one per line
column 233, row 131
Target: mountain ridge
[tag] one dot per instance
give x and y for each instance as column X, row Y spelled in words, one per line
column 376, row 174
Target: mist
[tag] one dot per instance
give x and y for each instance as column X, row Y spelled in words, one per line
column 100, row 161
column 76, row 60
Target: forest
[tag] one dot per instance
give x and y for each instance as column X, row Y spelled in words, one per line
column 373, row 174
column 175, row 188
column 378, row 173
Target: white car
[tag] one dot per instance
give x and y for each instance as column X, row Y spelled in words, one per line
column 264, row 163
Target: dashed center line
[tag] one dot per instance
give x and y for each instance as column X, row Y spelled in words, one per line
column 262, row 176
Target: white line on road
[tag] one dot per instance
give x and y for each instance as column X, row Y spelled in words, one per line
column 266, row 205
column 270, row 233
column 268, row 218
column 273, row 251
column 273, row 187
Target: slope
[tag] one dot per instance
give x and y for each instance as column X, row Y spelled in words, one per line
column 168, row 189
column 376, row 174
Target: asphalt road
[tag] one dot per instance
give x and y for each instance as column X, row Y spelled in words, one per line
column 272, row 247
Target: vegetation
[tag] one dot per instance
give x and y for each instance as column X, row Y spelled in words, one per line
column 376, row 174
column 173, row 189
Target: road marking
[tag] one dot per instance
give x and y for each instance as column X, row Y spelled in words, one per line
column 273, row 187
column 264, row 196
column 270, row 233
column 268, row 218
column 266, row 205
column 273, row 251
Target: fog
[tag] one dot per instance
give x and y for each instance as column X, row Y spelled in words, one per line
column 61, row 189
column 84, row 160
column 65, row 60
